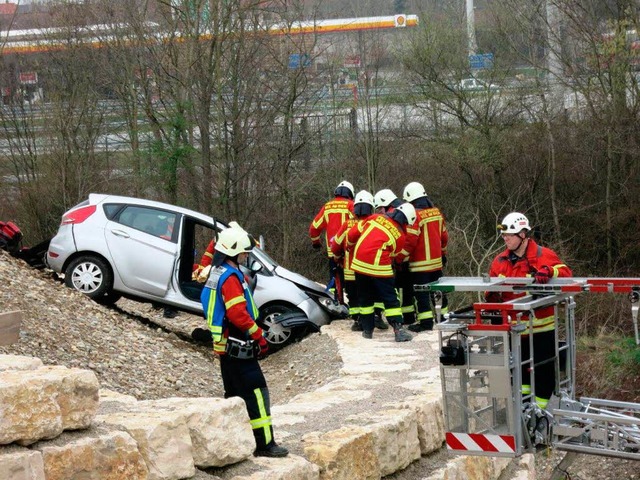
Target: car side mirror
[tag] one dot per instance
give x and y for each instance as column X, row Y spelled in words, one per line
column 255, row 266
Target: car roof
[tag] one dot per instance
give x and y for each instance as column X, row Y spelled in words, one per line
column 95, row 198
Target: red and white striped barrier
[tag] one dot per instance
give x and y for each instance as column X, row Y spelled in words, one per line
column 477, row 442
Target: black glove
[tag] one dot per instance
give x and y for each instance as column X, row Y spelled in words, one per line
column 444, row 260
column 493, row 297
column 316, row 246
column 543, row 275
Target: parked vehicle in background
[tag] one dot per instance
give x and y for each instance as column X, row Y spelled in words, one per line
column 111, row 246
column 475, row 85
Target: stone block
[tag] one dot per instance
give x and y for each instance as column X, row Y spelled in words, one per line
column 17, row 463
column 430, row 420
column 163, row 440
column 219, row 428
column 19, row 362
column 395, row 434
column 345, row 454
column 291, row 467
column 109, row 456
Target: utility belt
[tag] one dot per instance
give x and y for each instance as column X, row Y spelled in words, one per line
column 242, row 349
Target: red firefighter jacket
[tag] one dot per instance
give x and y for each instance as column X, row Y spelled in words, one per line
column 426, row 241
column 340, row 247
column 506, row 264
column 375, row 242
column 329, row 219
column 207, row 256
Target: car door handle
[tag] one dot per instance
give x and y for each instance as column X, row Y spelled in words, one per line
column 120, row 233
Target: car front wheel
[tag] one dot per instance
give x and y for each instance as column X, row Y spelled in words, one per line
column 277, row 335
column 89, row 275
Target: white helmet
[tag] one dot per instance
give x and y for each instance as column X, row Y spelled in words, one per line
column 409, row 212
column 233, row 241
column 383, row 198
column 344, row 189
column 413, row 191
column 514, row 222
column 364, row 197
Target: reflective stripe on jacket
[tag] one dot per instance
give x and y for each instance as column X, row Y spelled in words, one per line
column 216, row 307
column 378, row 240
column 329, row 220
column 426, row 241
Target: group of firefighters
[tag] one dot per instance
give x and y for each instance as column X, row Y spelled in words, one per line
column 379, row 245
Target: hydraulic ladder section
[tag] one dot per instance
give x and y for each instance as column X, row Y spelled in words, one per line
column 481, row 368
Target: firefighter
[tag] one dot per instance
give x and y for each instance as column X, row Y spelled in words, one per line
column 425, row 250
column 523, row 257
column 376, row 242
column 231, row 315
column 385, row 201
column 363, row 207
column 329, row 220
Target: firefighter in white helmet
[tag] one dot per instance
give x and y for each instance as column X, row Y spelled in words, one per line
column 425, row 252
column 523, row 257
column 363, row 209
column 328, row 220
column 376, row 242
column 238, row 340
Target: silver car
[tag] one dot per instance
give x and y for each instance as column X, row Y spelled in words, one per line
column 111, row 246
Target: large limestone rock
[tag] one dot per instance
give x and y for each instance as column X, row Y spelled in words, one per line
column 430, row 420
column 470, row 467
column 42, row 403
column 219, row 428
column 163, row 440
column 395, row 435
column 345, row 454
column 111, row 456
column 18, row 463
column 292, row 467
column 19, row 362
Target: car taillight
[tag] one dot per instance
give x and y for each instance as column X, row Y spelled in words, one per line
column 78, row 216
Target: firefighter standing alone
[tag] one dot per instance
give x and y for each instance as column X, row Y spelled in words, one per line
column 523, row 257
column 231, row 315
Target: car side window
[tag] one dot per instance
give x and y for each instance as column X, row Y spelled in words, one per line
column 158, row 223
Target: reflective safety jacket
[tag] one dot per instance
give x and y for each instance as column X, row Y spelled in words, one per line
column 229, row 307
column 329, row 219
column 507, row 264
column 340, row 248
column 375, row 242
column 426, row 241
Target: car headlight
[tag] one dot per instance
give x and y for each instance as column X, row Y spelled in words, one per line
column 332, row 307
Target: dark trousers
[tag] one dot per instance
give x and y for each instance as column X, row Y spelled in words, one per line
column 354, row 302
column 244, row 378
column 336, row 278
column 377, row 289
column 545, row 375
column 424, row 301
column 405, row 288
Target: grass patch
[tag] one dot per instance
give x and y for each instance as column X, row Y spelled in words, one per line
column 608, row 367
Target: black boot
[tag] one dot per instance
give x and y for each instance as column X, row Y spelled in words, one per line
column 401, row 334
column 380, row 323
column 422, row 326
column 271, row 450
column 356, row 327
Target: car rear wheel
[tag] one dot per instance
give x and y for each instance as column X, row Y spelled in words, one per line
column 277, row 336
column 89, row 275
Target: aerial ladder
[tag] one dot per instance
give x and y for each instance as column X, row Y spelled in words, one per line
column 486, row 412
